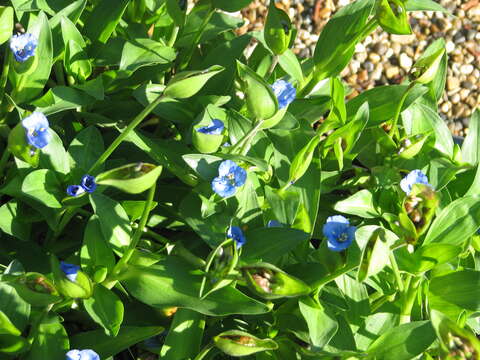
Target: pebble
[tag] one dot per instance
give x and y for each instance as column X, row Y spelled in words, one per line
column 466, row 69
column 405, row 61
column 453, row 83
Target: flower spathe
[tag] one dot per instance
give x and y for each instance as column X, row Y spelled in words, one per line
column 230, row 176
column 23, row 46
column 37, row 130
column 338, row 232
column 70, row 270
column 413, row 177
column 235, row 233
column 215, row 128
column 87, row 354
column 285, row 92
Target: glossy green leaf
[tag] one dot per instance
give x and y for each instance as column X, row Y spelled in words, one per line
column 106, row 309
column 76, row 61
column 13, row 344
column 145, row 52
column 392, row 16
column 231, row 6
column 61, row 98
column 471, row 144
column 11, row 221
column 278, row 29
column 6, row 23
column 95, row 251
column 171, row 283
column 322, row 325
column 359, row 204
column 110, row 13
column 17, row 309
column 133, row 178
column 44, row 186
column 53, row 156
column 187, row 83
column 85, row 149
column 51, row 341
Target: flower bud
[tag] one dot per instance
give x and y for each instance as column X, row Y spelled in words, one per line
column 36, row 289
column 207, row 136
column 425, row 69
column 240, row 343
column 132, row 178
column 270, row 282
column 278, row 30
column 392, row 16
column 69, row 281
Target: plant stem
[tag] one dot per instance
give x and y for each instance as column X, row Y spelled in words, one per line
column 396, row 271
column 173, row 36
column 272, row 67
column 4, row 78
column 4, row 160
column 204, row 352
column 59, row 74
column 409, row 300
column 138, row 119
column 246, row 138
column 138, row 233
column 318, row 284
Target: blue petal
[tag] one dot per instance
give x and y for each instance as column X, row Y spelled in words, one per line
column 75, row 190
column 226, row 167
column 413, row 177
column 338, row 245
column 36, row 121
column 73, row 355
column 223, row 187
column 37, row 130
column 82, row 355
column 285, row 92
column 88, row 183
column 23, row 46
column 240, row 176
column 236, row 233
column 70, row 270
column 274, row 223
column 215, row 128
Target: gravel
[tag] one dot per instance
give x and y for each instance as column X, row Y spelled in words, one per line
column 386, row 59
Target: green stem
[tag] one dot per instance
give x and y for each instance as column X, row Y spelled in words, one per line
column 204, row 352
column 138, row 233
column 272, row 67
column 318, row 284
column 409, row 300
column 4, row 160
column 59, row 74
column 396, row 271
column 173, row 36
column 246, row 138
column 138, row 119
column 4, row 78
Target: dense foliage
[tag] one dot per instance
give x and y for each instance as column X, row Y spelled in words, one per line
column 172, row 189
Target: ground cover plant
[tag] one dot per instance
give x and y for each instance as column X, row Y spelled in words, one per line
column 171, row 191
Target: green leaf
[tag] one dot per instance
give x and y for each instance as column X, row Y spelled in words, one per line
column 171, row 283
column 113, row 221
column 6, row 326
column 53, row 156
column 269, row 244
column 61, row 98
column 184, row 337
column 455, row 292
column 43, row 186
column 471, row 144
column 425, row 5
column 456, row 223
column 338, row 38
column 30, row 84
column 426, row 257
column 85, row 149
column 6, row 23
column 110, row 14
column 132, row 178
column 13, row 344
column 302, row 160
column 106, row 346
column 393, row 17
column 404, row 342
column 11, row 221
column 17, row 309
column 278, row 29
column 322, row 325
column 95, row 251
column 144, row 52
column 231, row 6
column 50, row 342
column 175, row 12
column 70, row 32
column 290, row 64
column 76, row 61
column 187, row 83
column 106, row 309
column 359, row 204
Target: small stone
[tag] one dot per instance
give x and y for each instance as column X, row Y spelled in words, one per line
column 453, row 83
column 392, row 72
column 375, row 58
column 445, row 107
column 464, row 94
column 466, row 69
column 449, row 46
column 405, row 61
column 455, row 98
column 467, row 85
column 404, row 39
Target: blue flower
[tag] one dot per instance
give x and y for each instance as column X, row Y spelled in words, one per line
column 338, row 232
column 274, row 223
column 23, row 46
column 88, row 183
column 413, row 177
column 70, row 270
column 75, row 190
column 215, row 128
column 37, row 128
column 285, row 92
column 235, row 233
column 230, row 176
column 82, row 355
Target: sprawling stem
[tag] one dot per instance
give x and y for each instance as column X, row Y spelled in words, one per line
column 4, row 78
column 396, row 271
column 138, row 119
column 173, row 36
column 409, row 299
column 204, row 352
column 272, row 67
column 245, row 140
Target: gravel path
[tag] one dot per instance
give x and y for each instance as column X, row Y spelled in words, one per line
column 385, row 59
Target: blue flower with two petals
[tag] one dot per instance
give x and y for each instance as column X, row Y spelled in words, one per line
column 285, row 93
column 87, row 184
column 413, row 177
column 23, row 46
column 82, row 355
column 235, row 233
column 215, row 128
column 338, row 232
column 230, row 176
column 70, row 270
column 37, row 129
